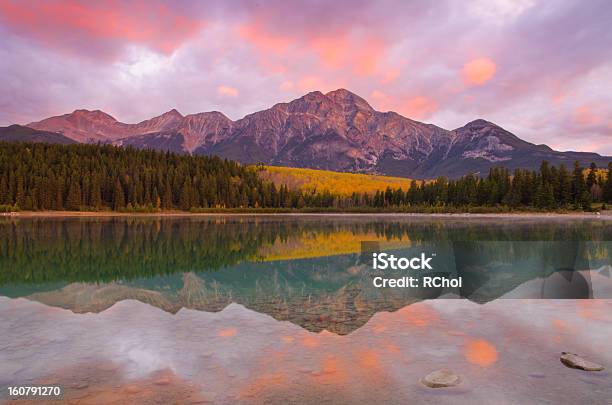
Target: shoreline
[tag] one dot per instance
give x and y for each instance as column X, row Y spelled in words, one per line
column 518, row 215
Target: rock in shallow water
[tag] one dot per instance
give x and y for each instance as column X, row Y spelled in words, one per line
column 162, row 381
column 441, row 379
column 574, row 361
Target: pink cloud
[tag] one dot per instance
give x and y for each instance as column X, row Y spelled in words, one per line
column 361, row 53
column 340, row 48
column 227, row 91
column 391, row 75
column 381, row 100
column 287, row 85
column 264, row 41
column 478, row 71
column 104, row 27
column 416, row 107
column 310, row 83
column 585, row 115
column 419, row 107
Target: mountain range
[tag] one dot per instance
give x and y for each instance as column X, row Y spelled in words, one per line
column 336, row 131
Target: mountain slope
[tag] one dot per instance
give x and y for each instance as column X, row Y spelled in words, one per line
column 336, row 131
column 164, row 140
column 481, row 144
column 96, row 126
column 18, row 133
column 84, row 126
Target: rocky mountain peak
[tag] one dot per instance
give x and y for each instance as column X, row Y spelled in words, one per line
column 480, row 123
column 313, row 96
column 82, row 125
column 172, row 113
column 349, row 99
column 97, row 115
column 165, row 122
column 315, row 103
column 203, row 128
column 482, row 128
column 212, row 115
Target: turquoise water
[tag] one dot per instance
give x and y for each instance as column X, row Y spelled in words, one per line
column 144, row 295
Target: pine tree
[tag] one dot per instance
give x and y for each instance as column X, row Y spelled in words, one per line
column 5, row 197
column 46, row 190
column 585, row 201
column 564, row 195
column 20, row 193
column 411, row 196
column 118, row 196
column 545, row 172
column 513, row 198
column 59, row 197
column 74, row 198
column 167, row 197
column 578, row 185
column 607, row 190
column 545, row 197
column 592, row 176
column 185, row 200
column 96, row 194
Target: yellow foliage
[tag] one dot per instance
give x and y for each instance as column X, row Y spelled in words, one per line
column 599, row 172
column 310, row 245
column 336, row 182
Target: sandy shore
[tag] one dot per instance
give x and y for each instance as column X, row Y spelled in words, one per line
column 606, row 215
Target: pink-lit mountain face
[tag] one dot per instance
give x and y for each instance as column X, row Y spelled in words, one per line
column 334, row 131
column 97, row 126
column 84, row 126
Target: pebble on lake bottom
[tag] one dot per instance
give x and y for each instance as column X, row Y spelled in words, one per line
column 574, row 361
column 441, row 379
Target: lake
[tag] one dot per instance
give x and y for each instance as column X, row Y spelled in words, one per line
column 278, row 309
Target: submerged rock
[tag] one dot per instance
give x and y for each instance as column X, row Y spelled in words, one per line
column 574, row 361
column 162, row 381
column 441, row 379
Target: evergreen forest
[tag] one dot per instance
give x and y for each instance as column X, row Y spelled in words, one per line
column 81, row 177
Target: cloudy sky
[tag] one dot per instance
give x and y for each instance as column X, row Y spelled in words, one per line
column 540, row 69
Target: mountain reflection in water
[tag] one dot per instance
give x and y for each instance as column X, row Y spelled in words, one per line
column 195, row 309
column 307, row 270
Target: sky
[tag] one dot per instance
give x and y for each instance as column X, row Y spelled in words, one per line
column 541, row 69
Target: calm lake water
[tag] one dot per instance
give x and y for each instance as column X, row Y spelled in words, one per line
column 278, row 309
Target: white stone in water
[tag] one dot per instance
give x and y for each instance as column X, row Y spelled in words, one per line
column 574, row 361
column 441, row 379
